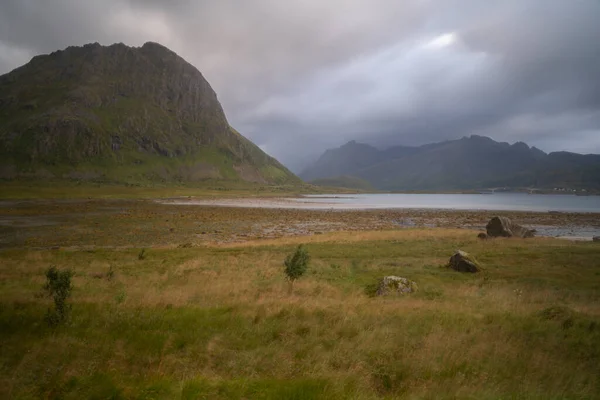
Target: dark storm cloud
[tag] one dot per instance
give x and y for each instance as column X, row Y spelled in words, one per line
column 299, row 76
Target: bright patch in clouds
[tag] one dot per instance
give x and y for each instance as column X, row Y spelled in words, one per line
column 447, row 39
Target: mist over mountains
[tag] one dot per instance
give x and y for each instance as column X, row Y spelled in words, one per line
column 474, row 162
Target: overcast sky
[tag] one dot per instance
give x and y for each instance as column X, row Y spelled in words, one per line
column 300, row 76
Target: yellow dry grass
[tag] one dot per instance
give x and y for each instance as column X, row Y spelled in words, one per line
column 219, row 316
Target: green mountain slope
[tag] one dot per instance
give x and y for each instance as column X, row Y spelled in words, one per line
column 468, row 163
column 122, row 114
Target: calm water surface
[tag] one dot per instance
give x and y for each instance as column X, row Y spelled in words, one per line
column 496, row 201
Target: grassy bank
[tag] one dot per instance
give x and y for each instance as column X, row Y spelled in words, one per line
column 216, row 321
column 64, row 189
column 12, row 190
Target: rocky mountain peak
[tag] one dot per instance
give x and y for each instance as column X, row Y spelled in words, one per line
column 122, row 106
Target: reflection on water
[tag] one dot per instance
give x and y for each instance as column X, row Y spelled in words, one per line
column 496, row 201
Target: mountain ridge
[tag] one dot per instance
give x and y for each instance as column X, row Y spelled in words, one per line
column 122, row 114
column 474, row 162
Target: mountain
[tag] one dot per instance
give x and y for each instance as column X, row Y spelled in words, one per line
column 345, row 160
column 122, row 114
column 344, row 181
column 473, row 162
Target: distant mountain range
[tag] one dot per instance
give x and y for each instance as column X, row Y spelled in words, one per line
column 474, row 162
column 122, row 114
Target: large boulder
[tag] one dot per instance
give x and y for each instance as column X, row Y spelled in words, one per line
column 504, row 227
column 395, row 284
column 462, row 261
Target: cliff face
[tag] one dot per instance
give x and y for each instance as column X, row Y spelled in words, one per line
column 121, row 113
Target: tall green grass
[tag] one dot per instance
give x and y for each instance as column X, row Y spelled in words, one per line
column 218, row 322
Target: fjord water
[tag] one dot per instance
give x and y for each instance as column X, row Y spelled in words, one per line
column 486, row 202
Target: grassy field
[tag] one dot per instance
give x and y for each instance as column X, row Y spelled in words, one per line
column 215, row 321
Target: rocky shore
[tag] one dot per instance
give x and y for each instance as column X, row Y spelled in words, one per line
column 139, row 223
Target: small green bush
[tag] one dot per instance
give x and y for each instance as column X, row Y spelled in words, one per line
column 296, row 265
column 58, row 286
column 142, row 255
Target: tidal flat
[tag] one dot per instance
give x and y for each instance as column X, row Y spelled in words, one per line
column 205, row 313
column 105, row 223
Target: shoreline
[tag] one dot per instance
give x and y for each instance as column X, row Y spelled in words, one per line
column 103, row 223
column 297, row 203
column 579, row 226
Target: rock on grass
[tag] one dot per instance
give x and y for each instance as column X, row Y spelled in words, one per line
column 395, row 284
column 462, row 261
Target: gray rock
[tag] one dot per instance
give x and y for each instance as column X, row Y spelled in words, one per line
column 395, row 284
column 504, row 227
column 462, row 261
